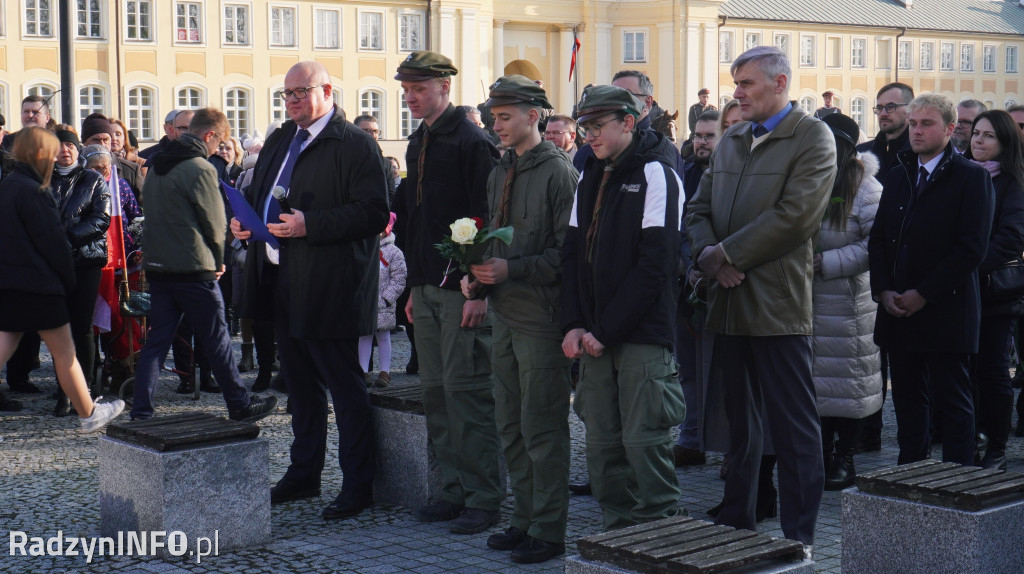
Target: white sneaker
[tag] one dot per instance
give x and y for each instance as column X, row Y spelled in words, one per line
column 808, row 552
column 102, row 413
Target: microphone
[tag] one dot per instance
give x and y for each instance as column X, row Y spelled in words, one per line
column 282, row 199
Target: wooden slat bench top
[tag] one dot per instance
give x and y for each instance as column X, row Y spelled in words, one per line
column 682, row 544
column 945, row 484
column 178, row 432
column 405, row 399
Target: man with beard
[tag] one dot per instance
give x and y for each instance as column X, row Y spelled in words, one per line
column 891, row 109
column 966, row 111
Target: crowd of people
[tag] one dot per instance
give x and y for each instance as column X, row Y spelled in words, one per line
column 757, row 288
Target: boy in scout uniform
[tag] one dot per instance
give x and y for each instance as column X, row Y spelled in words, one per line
column 449, row 159
column 531, row 190
column 619, row 307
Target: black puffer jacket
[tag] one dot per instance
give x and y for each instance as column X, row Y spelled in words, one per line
column 83, row 201
column 34, row 256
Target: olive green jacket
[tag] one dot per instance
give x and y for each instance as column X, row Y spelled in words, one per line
column 765, row 207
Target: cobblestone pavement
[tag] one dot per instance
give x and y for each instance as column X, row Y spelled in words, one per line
column 49, row 483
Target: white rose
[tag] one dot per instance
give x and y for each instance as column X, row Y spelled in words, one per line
column 464, row 231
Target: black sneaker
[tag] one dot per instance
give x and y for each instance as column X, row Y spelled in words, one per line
column 507, row 540
column 259, row 407
column 284, row 492
column 474, row 520
column 534, row 550
column 440, row 511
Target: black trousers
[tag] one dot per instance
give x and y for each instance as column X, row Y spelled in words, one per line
column 990, row 375
column 767, row 382
column 916, row 377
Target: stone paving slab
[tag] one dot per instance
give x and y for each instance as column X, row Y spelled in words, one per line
column 49, row 483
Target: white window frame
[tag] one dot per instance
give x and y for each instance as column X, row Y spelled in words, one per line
column 318, row 43
column 378, row 112
column 278, row 112
column 900, row 63
column 813, row 52
column 943, row 66
column 1012, row 59
column 788, row 42
column 641, row 33
column 406, row 123
column 283, row 42
column 100, row 20
column 1009, row 103
column 809, row 103
column 751, row 40
column 200, row 29
column 362, row 31
column 988, row 58
column 224, row 20
column 723, row 100
column 3, row 104
column 239, row 126
column 151, row 16
column 50, row 20
column 3, row 28
column 858, row 112
column 135, row 115
column 728, row 38
column 928, row 64
column 863, row 52
column 404, row 42
column 179, row 105
column 81, row 111
column 967, row 57
column 42, row 88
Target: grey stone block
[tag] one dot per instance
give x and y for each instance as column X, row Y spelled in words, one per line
column 579, row 565
column 217, row 491
column 883, row 535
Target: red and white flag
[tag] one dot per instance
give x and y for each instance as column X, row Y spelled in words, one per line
column 106, row 299
column 575, row 48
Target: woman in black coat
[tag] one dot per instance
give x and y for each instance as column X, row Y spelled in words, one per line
column 996, row 144
column 36, row 271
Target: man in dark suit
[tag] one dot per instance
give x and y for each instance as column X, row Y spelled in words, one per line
column 930, row 233
column 324, row 290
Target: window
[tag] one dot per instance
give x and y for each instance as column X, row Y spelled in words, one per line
column 927, row 55
column 966, row 57
column 807, row 51
column 410, row 31
column 1011, row 59
column 1010, row 103
column 138, row 20
column 371, row 102
column 834, row 52
column 371, row 30
column 277, row 110
column 857, row 107
column 782, row 43
column 751, row 40
column 858, row 49
column 905, row 56
column 946, row 57
column 407, row 123
column 140, row 112
column 725, row 46
column 90, row 101
column 988, row 58
column 189, row 22
column 189, row 98
column 634, row 46
column 38, row 18
column 236, row 108
column 723, row 100
column 282, row 26
column 90, row 18
column 327, row 26
column 883, row 54
column 808, row 104
column 236, row 25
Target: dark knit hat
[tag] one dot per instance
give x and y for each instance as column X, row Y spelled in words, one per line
column 69, row 136
column 96, row 124
column 843, row 127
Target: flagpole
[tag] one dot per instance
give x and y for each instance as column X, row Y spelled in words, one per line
column 576, row 78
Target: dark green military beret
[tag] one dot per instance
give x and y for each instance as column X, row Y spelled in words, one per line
column 597, row 101
column 516, row 89
column 424, row 65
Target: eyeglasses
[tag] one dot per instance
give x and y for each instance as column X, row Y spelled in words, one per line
column 299, row 93
column 964, row 123
column 181, row 128
column 372, row 132
column 887, row 108
column 704, row 137
column 556, row 133
column 594, row 129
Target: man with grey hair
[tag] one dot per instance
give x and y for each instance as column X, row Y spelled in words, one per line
column 966, row 111
column 930, row 233
column 752, row 224
column 170, row 134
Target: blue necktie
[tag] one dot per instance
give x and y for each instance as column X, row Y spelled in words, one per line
column 273, row 207
column 759, row 131
column 922, row 179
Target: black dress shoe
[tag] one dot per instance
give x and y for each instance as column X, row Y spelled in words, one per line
column 258, row 408
column 346, row 505
column 207, row 384
column 62, row 408
column 440, row 511
column 23, row 386
column 507, row 540
column 282, row 492
column 581, row 489
column 534, row 550
column 474, row 520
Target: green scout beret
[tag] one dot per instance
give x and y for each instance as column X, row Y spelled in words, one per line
column 424, row 65
column 597, row 101
column 516, row 89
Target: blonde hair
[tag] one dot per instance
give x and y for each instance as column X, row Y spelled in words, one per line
column 937, row 102
column 37, row 148
column 725, row 112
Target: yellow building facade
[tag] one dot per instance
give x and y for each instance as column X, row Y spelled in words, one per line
column 138, row 59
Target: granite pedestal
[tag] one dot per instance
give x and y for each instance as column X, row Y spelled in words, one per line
column 580, row 565
column 889, row 535
column 215, row 491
